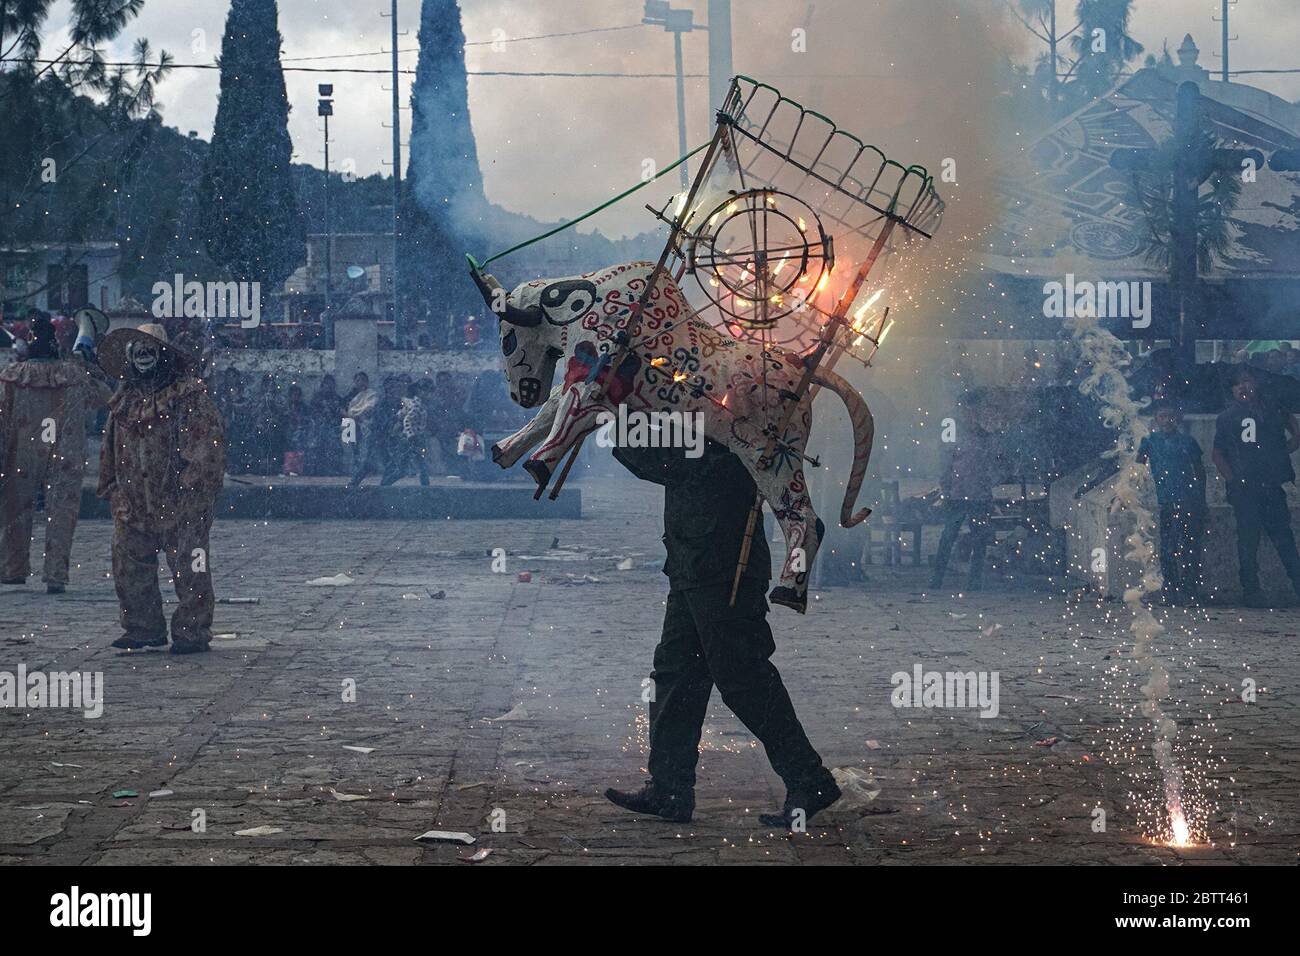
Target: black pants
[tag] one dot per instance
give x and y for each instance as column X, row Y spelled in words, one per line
column 1263, row 511
column 406, row 456
column 706, row 642
column 956, row 512
column 1182, row 529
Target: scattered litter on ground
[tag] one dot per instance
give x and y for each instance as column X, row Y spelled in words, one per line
column 991, row 630
column 525, row 577
column 437, row 595
column 259, row 831
column 572, row 580
column 555, row 542
column 1047, row 741
column 956, row 617
column 517, row 712
column 478, row 856
column 346, row 797
column 359, row 750
column 239, row 600
column 156, row 794
column 873, row 744
column 228, row 636
column 445, row 836
column 337, row 581
column 410, row 596
column 625, row 564
column 124, row 794
column 859, row 787
column 75, row 766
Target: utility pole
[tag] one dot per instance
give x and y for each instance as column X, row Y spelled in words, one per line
column 676, row 22
column 1189, row 172
column 1227, row 76
column 720, row 71
column 399, row 325
column 1051, row 43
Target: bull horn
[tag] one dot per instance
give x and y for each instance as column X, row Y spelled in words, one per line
column 491, row 289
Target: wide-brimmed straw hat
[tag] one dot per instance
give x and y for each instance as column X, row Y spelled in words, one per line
column 113, row 349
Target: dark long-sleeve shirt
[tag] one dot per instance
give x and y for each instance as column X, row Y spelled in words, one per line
column 707, row 501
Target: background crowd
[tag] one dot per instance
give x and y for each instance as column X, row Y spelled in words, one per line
column 407, row 427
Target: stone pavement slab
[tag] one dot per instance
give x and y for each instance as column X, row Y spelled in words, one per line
column 504, row 708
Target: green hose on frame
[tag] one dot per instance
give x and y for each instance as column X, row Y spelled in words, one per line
column 480, row 266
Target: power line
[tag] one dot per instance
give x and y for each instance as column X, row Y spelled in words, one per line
column 548, row 73
column 539, row 36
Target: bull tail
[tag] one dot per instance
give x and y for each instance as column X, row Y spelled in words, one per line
column 864, row 432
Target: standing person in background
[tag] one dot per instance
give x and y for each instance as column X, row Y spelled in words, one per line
column 231, row 397
column 1179, row 474
column 967, row 496
column 44, row 401
column 446, row 404
column 362, row 404
column 295, row 431
column 324, row 432
column 268, row 428
column 407, row 450
column 1253, row 442
column 161, row 467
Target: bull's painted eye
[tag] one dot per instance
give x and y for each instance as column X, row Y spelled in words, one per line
column 509, row 343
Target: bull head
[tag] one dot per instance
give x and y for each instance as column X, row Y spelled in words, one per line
column 531, row 320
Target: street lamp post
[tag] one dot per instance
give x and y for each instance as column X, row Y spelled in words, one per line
column 325, row 109
column 676, row 22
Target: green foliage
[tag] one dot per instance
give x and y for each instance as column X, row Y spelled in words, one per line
column 1153, row 192
column 249, row 212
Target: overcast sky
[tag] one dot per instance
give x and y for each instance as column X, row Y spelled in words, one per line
column 551, row 147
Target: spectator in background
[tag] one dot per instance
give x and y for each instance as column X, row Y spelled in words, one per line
column 1253, row 442
column 967, row 496
column 407, row 449
column 1179, row 474
column 324, row 429
column 231, row 397
column 268, row 428
column 1292, row 364
column 446, row 405
column 377, row 432
column 296, row 421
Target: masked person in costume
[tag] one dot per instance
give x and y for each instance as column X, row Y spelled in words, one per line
column 161, row 467
column 44, row 400
column 707, row 642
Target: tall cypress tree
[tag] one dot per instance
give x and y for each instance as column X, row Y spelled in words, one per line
column 252, row 223
column 443, row 201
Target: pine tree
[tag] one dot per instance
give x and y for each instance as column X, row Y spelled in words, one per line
column 252, row 223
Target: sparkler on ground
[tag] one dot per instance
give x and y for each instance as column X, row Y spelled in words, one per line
column 1107, row 358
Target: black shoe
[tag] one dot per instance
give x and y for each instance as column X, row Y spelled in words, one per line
column 55, row 588
column 188, row 647
column 675, row 807
column 128, row 643
column 788, row 597
column 803, row 803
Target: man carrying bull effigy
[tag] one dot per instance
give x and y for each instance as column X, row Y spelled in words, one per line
column 707, row 641
column 162, row 466
column 44, row 400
